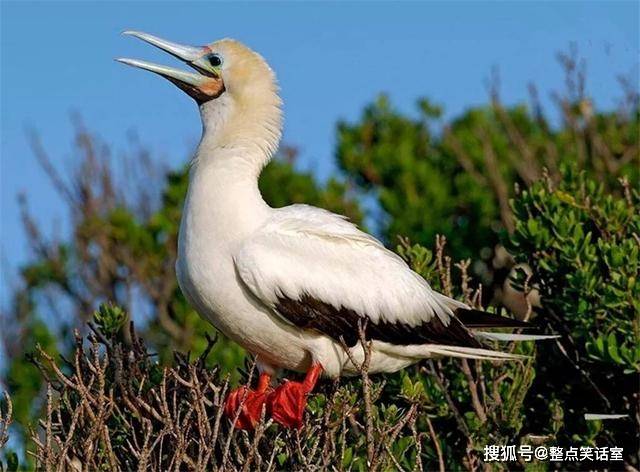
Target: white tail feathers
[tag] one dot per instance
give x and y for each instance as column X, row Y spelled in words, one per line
column 488, row 354
column 473, row 353
column 513, row 337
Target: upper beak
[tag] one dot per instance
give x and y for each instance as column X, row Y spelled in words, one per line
column 202, row 86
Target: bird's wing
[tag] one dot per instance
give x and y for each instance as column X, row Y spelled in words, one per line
column 320, row 272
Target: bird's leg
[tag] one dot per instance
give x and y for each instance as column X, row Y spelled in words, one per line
column 287, row 403
column 252, row 405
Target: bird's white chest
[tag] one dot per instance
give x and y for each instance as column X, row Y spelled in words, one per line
column 205, row 274
column 212, row 228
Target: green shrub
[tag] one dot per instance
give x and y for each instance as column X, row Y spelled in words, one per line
column 582, row 244
column 113, row 406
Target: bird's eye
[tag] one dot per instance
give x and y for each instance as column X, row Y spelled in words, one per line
column 215, row 60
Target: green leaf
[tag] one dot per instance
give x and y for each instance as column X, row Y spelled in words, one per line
column 612, row 348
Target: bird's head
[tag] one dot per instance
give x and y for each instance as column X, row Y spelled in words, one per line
column 222, row 67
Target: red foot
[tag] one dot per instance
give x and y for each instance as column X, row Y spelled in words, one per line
column 252, row 405
column 287, row 403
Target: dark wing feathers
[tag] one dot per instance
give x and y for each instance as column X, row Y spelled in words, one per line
column 481, row 319
column 313, row 314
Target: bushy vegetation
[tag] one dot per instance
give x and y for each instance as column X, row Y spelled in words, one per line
column 111, row 406
column 583, row 245
column 539, row 220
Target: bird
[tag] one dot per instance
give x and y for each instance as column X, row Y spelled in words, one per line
column 295, row 286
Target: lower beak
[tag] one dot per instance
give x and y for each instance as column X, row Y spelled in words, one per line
column 196, row 84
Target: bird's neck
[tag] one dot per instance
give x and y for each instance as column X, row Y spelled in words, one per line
column 240, row 134
column 238, row 140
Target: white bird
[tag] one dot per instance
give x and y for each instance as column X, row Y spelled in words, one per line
column 291, row 285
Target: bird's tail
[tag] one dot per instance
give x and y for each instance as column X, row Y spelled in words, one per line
column 489, row 354
column 513, row 337
column 473, row 353
column 485, row 353
column 473, row 320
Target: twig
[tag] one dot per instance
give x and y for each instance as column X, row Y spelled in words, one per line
column 436, row 444
column 473, row 390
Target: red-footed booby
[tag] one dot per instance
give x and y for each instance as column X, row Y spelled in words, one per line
column 293, row 284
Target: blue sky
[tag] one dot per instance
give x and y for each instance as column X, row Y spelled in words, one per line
column 331, row 60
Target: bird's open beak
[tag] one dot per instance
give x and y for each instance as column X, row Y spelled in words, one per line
column 204, row 85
